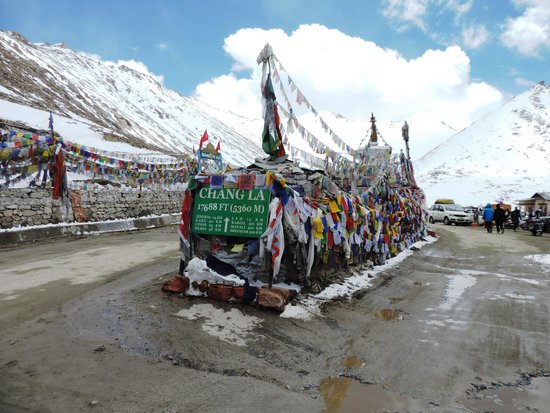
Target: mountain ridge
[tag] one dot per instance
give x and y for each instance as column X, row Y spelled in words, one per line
column 117, row 98
column 503, row 156
column 123, row 103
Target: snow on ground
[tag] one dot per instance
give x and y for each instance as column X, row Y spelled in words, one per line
column 310, row 306
column 113, row 224
column 197, row 270
column 231, row 326
column 540, row 258
column 76, row 129
column 456, row 286
column 237, row 328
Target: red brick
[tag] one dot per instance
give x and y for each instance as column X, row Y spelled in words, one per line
column 220, row 292
column 238, row 293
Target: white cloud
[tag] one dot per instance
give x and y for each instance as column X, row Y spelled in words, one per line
column 91, row 55
column 475, row 36
column 354, row 77
column 460, row 8
column 139, row 67
column 520, row 81
column 530, row 32
column 408, row 11
column 232, row 94
column 162, row 46
column 416, row 12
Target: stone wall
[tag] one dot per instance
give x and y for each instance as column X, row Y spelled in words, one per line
column 36, row 206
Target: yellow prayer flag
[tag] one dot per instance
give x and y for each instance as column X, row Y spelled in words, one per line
column 237, row 248
column 333, row 206
column 318, row 228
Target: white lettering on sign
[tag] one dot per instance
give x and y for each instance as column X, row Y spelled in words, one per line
column 219, row 194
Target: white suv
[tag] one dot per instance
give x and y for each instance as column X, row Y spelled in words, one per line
column 449, row 214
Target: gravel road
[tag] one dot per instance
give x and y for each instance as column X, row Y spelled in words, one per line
column 461, row 325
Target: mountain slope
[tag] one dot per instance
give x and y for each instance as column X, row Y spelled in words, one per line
column 127, row 103
column 503, row 156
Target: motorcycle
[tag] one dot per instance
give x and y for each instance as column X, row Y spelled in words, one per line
column 537, row 227
column 534, row 225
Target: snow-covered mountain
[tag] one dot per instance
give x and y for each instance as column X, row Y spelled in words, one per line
column 115, row 101
column 122, row 107
column 502, row 156
column 104, row 104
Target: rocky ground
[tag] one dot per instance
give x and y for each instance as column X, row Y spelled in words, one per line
column 459, row 326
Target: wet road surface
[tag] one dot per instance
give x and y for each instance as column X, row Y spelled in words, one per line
column 460, row 326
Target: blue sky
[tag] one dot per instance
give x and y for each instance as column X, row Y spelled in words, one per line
column 404, row 59
column 183, row 40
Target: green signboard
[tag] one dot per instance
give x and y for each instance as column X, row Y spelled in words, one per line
column 233, row 212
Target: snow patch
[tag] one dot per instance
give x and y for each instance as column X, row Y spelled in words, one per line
column 230, row 326
column 543, row 259
column 311, row 305
column 455, row 288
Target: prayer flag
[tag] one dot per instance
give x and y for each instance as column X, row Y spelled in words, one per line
column 50, row 123
column 60, row 180
column 203, row 139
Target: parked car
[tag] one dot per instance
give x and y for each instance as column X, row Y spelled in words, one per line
column 449, row 214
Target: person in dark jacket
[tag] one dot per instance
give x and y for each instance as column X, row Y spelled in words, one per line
column 515, row 218
column 499, row 217
column 488, row 214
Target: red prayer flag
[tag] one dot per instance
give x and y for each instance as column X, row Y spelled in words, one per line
column 59, row 175
column 281, row 151
column 185, row 218
column 203, row 139
column 218, row 146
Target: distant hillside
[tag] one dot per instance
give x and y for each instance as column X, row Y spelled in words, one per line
column 122, row 102
column 118, row 106
column 503, row 156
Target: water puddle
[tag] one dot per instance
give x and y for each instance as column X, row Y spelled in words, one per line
column 531, row 396
column 350, row 362
column 343, row 394
column 388, row 314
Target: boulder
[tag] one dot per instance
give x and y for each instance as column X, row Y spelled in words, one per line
column 176, row 284
column 269, row 298
column 287, row 293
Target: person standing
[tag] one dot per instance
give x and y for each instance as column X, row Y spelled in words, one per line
column 488, row 214
column 499, row 217
column 515, row 215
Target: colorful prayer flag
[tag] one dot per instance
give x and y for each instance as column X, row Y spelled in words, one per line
column 203, row 139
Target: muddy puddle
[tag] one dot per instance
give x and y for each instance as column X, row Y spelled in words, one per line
column 344, row 394
column 388, row 314
column 531, row 397
column 351, row 362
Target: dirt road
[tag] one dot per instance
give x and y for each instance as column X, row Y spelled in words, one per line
column 460, row 326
